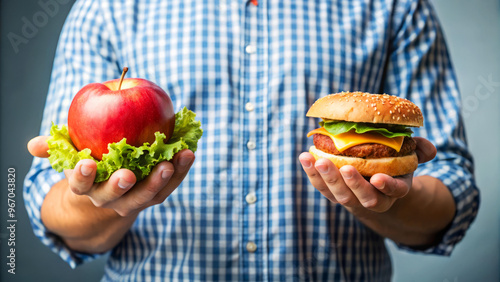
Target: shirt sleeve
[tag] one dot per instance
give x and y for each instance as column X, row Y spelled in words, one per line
column 84, row 55
column 419, row 69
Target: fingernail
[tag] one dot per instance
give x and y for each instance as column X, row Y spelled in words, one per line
column 322, row 168
column 85, row 170
column 379, row 185
column 166, row 174
column 124, row 184
column 306, row 164
column 185, row 161
column 346, row 174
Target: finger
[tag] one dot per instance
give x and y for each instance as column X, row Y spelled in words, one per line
column 104, row 194
column 394, row 187
column 38, row 146
column 163, row 180
column 145, row 191
column 333, row 179
column 307, row 161
column 68, row 173
column 425, row 150
column 182, row 162
column 81, row 178
column 366, row 194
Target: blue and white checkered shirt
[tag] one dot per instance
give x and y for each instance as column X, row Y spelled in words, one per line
column 246, row 210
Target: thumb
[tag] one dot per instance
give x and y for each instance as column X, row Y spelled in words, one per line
column 425, row 150
column 38, row 146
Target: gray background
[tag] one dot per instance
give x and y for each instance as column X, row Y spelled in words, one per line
column 472, row 29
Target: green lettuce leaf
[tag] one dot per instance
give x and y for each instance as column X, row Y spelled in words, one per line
column 338, row 127
column 140, row 160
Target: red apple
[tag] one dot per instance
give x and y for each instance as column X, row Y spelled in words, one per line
column 103, row 113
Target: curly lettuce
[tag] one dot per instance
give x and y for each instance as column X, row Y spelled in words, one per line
column 338, row 127
column 140, row 160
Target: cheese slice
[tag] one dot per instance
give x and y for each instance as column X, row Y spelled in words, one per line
column 350, row 139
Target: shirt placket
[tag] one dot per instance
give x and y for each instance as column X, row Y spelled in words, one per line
column 252, row 145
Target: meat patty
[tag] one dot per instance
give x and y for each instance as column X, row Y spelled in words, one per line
column 368, row 151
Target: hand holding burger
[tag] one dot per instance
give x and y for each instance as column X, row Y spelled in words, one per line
column 365, row 136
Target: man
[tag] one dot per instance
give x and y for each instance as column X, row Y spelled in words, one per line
column 246, row 211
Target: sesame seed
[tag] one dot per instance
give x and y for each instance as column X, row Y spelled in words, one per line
column 390, row 112
column 378, row 113
column 398, row 118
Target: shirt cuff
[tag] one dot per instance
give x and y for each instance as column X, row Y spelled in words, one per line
column 461, row 184
column 37, row 184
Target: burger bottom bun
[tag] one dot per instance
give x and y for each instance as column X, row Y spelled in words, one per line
column 393, row 166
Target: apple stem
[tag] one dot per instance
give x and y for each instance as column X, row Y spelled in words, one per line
column 125, row 70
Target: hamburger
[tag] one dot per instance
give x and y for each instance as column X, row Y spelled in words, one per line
column 368, row 131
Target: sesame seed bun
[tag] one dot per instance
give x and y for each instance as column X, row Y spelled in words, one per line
column 394, row 166
column 365, row 107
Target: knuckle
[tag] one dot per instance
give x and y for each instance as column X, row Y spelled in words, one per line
column 138, row 202
column 322, row 188
column 77, row 187
column 123, row 213
column 97, row 203
column 380, row 209
column 332, row 181
column 355, row 185
column 75, row 190
column 345, row 201
column 153, row 189
column 370, row 204
column 313, row 174
column 333, row 200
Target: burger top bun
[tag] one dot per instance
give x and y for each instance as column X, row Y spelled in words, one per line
column 365, row 107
